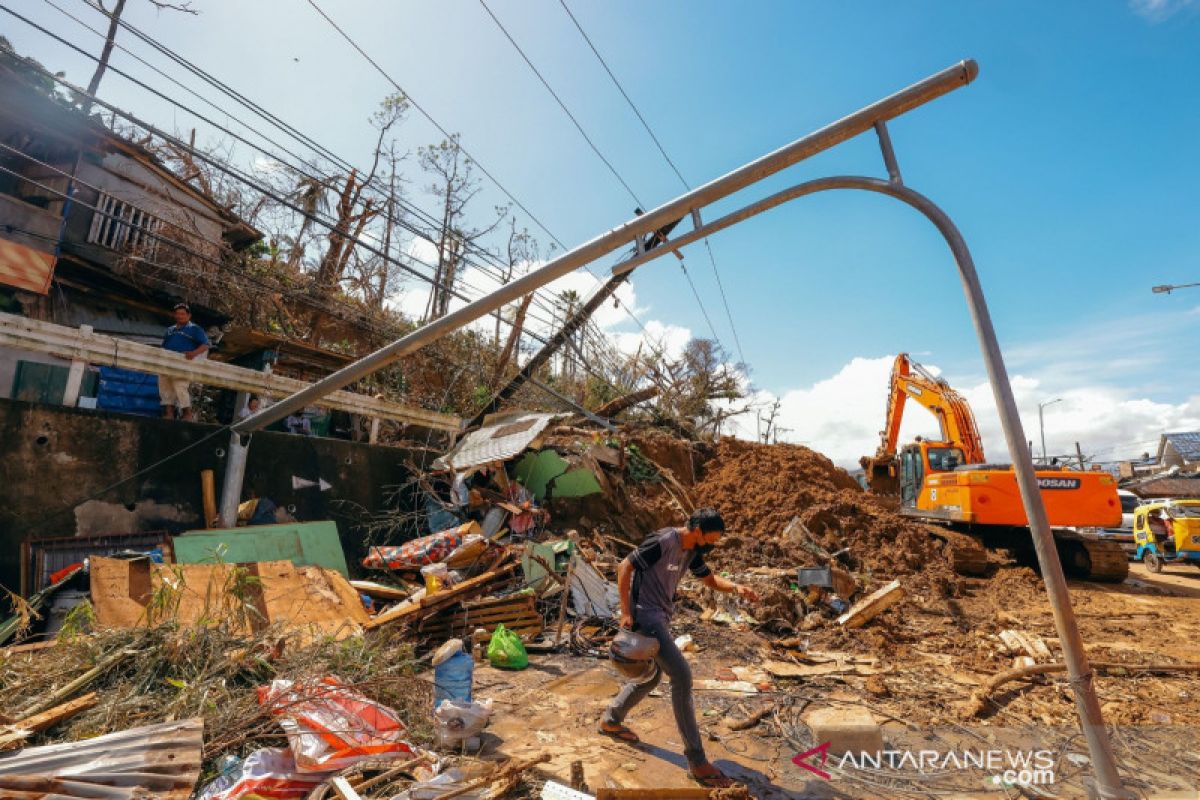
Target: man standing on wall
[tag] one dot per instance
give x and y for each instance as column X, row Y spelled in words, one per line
column 190, row 339
column 646, row 582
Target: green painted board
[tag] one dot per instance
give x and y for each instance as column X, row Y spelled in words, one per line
column 539, row 470
column 576, row 483
column 302, row 543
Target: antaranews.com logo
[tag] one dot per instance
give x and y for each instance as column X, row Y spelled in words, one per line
column 1001, row 766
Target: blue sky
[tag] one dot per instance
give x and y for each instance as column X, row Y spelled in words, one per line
column 1069, row 165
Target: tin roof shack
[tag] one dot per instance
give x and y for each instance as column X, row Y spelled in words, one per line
column 132, row 240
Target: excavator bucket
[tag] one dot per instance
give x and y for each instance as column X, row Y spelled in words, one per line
column 882, row 474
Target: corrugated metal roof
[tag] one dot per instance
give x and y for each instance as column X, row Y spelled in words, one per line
column 1186, row 443
column 505, row 436
column 160, row 761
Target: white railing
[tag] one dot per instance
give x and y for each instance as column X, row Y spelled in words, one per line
column 81, row 346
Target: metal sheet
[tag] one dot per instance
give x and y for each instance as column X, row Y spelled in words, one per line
column 302, row 543
column 505, row 436
column 160, row 761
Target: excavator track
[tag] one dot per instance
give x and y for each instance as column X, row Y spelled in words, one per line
column 1093, row 559
column 967, row 554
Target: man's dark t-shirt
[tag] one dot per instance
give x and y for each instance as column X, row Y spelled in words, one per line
column 658, row 566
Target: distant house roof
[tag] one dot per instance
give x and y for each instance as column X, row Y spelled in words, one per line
column 502, row 437
column 1166, row 487
column 1186, row 444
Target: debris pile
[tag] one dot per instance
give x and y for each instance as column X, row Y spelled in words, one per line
column 786, row 505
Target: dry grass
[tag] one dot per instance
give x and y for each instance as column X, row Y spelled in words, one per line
column 174, row 672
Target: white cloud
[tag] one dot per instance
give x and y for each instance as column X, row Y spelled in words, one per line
column 842, row 415
column 1159, row 10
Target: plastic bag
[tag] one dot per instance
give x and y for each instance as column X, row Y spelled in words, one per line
column 457, row 721
column 330, row 726
column 268, row 773
column 506, row 651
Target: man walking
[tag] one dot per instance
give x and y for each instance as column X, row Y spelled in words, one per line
column 646, row 582
column 190, row 339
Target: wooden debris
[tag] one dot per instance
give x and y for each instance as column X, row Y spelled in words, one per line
column 980, row 699
column 1018, row 642
column 783, row 669
column 454, row 595
column 736, row 793
column 22, row 729
column 518, row 613
column 344, row 790
column 872, row 605
column 752, row 720
column 380, row 591
column 500, row 780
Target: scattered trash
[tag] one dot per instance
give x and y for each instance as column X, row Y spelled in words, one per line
column 460, row 721
column 267, row 773
column 330, row 726
column 685, row 643
column 506, row 651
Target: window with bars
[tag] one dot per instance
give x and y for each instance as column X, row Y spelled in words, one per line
column 124, row 227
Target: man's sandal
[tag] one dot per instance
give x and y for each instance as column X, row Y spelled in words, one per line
column 620, row 733
column 711, row 780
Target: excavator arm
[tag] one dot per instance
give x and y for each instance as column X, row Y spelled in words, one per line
column 955, row 419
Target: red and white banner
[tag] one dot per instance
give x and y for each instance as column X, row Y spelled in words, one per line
column 25, row 268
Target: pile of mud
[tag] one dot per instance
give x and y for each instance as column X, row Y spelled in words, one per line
column 760, row 488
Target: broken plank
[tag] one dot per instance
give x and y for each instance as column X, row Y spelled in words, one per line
column 380, row 591
column 343, row 789
column 446, row 597
column 21, row 730
column 872, row 605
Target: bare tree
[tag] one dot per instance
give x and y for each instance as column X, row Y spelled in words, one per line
column 455, row 186
column 522, row 250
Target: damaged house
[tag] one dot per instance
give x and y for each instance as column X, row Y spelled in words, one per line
column 95, row 230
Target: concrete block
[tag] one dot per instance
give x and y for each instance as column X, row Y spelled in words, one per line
column 847, row 729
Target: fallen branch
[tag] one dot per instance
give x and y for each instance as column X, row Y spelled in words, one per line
column 752, row 720
column 980, row 699
column 22, row 729
column 511, row 769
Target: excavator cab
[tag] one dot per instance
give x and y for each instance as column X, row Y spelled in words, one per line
column 921, row 458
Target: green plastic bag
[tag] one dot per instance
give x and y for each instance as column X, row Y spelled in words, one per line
column 506, row 651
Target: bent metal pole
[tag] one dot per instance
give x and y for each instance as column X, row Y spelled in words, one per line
column 833, row 134
column 1087, row 705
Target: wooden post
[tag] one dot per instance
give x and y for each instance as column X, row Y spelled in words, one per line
column 75, row 375
column 1079, row 454
column 373, row 437
column 208, row 493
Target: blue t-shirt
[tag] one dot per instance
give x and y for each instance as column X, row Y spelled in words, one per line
column 184, row 339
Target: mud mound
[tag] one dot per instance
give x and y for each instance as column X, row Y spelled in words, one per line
column 760, row 488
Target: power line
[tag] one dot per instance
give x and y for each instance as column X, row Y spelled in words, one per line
column 249, row 104
column 445, row 133
column 592, row 144
column 712, row 259
column 248, row 181
column 562, row 105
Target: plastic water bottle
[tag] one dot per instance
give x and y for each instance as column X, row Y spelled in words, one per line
column 452, row 678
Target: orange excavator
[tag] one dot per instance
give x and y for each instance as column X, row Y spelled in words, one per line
column 949, row 482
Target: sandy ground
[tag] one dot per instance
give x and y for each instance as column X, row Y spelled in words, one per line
column 933, row 654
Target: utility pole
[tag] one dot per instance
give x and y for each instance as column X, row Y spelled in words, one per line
column 114, row 22
column 1079, row 455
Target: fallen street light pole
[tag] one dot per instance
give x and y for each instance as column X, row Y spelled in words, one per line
column 875, row 116
column 628, row 233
